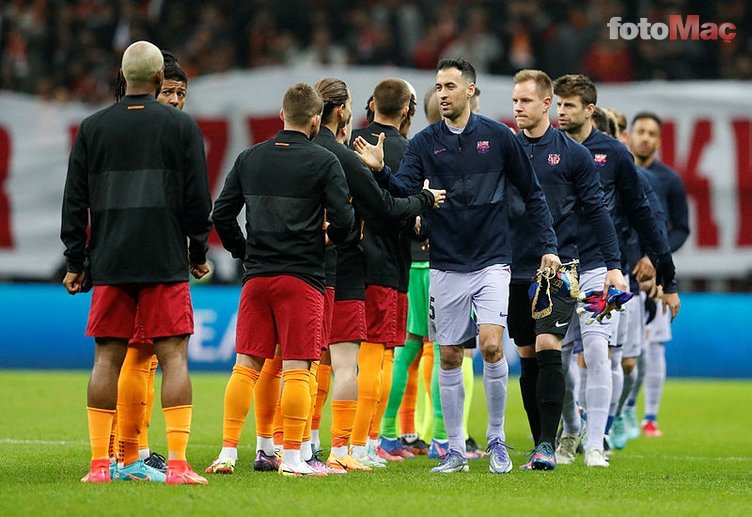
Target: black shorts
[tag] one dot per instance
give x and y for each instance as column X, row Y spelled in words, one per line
column 523, row 328
column 470, row 343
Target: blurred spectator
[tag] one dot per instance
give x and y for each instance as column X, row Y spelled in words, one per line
column 69, row 49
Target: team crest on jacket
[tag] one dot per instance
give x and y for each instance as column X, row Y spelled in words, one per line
column 483, row 146
column 554, row 159
column 600, row 159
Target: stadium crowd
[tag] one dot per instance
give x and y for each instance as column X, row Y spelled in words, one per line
column 70, row 49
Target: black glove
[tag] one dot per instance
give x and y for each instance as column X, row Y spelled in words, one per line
column 665, row 272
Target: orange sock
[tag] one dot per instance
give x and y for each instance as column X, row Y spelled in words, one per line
column 296, row 406
column 238, row 396
column 314, row 386
column 178, row 423
column 112, row 448
column 370, row 359
column 427, row 366
column 266, row 396
column 143, row 438
column 278, row 434
column 323, row 380
column 386, row 387
column 406, row 411
column 100, row 426
column 343, row 415
column 131, row 403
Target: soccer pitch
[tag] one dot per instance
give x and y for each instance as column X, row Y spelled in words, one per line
column 702, row 465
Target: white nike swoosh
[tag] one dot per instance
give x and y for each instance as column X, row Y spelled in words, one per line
column 558, row 325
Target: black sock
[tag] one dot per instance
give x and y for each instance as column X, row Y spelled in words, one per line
column 550, row 393
column 528, row 388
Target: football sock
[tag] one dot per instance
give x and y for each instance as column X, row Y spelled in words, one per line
column 439, row 430
column 452, row 404
column 132, row 394
column 323, row 379
column 406, row 414
column 617, row 384
column 403, row 359
column 641, row 371
column 550, row 393
column 343, row 414
column 100, row 426
column 655, row 378
column 598, row 388
column 384, row 394
column 296, row 406
column 370, row 359
column 266, row 399
column 569, row 413
column 529, row 390
column 314, row 387
column 143, row 438
column 468, row 379
column 495, row 378
column 237, row 403
column 629, row 380
column 178, row 423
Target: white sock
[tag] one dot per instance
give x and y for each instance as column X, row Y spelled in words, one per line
column 315, row 440
column 617, row 379
column 229, row 452
column 372, row 444
column 629, row 381
column 291, row 456
column 265, row 444
column 495, row 378
column 582, row 392
column 305, row 450
column 655, row 377
column 144, row 453
column 358, row 450
column 340, row 452
column 452, row 391
column 598, row 389
column 641, row 367
column 569, row 409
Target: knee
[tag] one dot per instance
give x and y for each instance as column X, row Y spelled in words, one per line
column 628, row 364
column 451, row 357
column 492, row 352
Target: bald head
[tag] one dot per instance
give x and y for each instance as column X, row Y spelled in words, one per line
column 142, row 61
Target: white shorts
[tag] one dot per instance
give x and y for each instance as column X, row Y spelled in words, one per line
column 659, row 330
column 455, row 296
column 634, row 310
column 589, row 281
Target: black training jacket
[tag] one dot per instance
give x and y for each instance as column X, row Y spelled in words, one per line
column 285, row 184
column 138, row 171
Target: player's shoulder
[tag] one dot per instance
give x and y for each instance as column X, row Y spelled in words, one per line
column 494, row 126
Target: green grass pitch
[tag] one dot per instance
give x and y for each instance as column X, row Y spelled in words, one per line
column 702, row 466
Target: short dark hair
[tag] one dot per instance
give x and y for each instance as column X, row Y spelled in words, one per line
column 369, row 112
column 648, row 114
column 172, row 69
column 301, row 103
column 572, row 85
column 603, row 122
column 334, row 92
column 463, row 65
column 390, row 96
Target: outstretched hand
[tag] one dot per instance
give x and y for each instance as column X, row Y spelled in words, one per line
column 371, row 155
column 438, row 195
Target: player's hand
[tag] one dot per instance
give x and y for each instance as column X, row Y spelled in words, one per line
column 371, row 155
column 199, row 271
column 438, row 195
column 650, row 287
column 671, row 301
column 73, row 282
column 643, row 270
column 425, row 245
column 614, row 277
column 550, row 262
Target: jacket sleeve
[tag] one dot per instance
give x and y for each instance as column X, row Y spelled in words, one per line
column 409, row 178
column 339, row 210
column 75, row 213
column 197, row 204
column 226, row 210
column 590, row 195
column 520, row 172
column 377, row 206
column 678, row 214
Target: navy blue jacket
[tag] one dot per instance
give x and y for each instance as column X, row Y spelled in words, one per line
column 470, row 230
column 673, row 197
column 625, row 199
column 569, row 179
